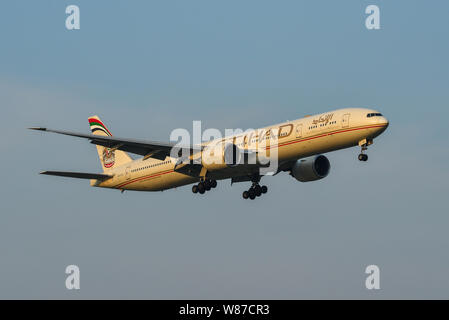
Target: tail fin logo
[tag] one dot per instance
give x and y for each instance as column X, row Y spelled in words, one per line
column 108, row 157
column 96, row 124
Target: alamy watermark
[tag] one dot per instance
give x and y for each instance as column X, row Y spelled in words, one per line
column 373, row 279
column 372, row 21
column 214, row 151
column 73, row 279
column 72, row 22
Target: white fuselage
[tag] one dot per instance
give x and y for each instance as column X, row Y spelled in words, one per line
column 297, row 139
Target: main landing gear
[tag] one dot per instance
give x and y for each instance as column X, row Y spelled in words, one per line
column 204, row 186
column 364, row 145
column 255, row 191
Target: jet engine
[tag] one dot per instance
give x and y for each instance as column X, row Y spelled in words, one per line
column 311, row 169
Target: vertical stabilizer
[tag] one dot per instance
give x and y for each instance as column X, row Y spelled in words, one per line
column 109, row 158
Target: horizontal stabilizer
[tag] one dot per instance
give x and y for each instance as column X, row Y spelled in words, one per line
column 79, row 175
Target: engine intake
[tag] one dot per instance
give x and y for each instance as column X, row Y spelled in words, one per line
column 311, row 169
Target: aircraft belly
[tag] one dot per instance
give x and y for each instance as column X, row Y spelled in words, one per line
column 346, row 139
column 175, row 179
column 237, row 171
column 161, row 181
column 151, row 184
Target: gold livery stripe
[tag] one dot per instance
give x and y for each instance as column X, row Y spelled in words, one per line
column 327, row 134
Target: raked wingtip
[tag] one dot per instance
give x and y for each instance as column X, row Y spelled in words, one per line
column 38, row 128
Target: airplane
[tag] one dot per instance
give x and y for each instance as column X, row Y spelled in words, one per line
column 300, row 145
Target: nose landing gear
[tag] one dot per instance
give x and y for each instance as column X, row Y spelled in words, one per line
column 364, row 145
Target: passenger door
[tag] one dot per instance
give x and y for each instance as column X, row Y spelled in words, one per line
column 299, row 130
column 345, row 120
column 127, row 174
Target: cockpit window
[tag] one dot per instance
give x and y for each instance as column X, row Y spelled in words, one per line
column 369, row 115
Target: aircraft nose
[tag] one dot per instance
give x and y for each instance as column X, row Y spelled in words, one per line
column 383, row 120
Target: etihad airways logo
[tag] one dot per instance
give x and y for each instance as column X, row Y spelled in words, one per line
column 323, row 119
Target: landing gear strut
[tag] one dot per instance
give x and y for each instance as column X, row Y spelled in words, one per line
column 204, row 185
column 255, row 191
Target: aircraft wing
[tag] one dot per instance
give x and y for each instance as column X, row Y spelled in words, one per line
column 79, row 175
column 148, row 149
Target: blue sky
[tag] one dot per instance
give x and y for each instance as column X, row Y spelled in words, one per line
column 147, row 67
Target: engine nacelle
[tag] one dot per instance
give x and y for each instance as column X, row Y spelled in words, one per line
column 221, row 156
column 311, row 169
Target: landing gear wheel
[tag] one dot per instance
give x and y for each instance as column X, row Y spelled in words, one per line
column 363, row 157
column 258, row 190
column 264, row 189
column 207, row 185
column 245, row 194
column 364, row 145
column 213, row 183
column 201, row 188
column 195, row 189
column 252, row 194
